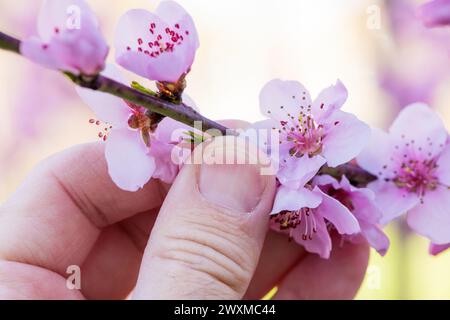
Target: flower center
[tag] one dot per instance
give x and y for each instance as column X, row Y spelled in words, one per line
column 303, row 219
column 303, row 134
column 103, row 133
column 417, row 176
column 160, row 41
column 139, row 120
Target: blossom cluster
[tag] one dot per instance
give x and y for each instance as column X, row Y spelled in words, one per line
column 409, row 163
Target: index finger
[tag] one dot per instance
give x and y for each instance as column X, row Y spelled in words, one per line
column 55, row 217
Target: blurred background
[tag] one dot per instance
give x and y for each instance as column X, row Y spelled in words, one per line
column 384, row 56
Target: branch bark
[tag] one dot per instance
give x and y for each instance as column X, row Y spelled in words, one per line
column 180, row 112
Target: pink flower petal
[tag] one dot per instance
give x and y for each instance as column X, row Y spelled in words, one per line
column 432, row 217
column 187, row 100
column 376, row 154
column 436, row 249
column 347, row 186
column 363, row 202
column 106, row 107
column 40, row 53
column 292, row 200
column 170, row 131
column 172, row 13
column 279, row 98
column 391, row 200
column 55, row 16
column 443, row 169
column 81, row 51
column 325, row 179
column 335, row 212
column 376, row 238
column 345, row 138
column 166, row 169
column 296, row 172
column 421, row 127
column 320, row 242
column 263, row 135
column 137, row 50
column 329, row 100
column 435, row 13
column 365, row 209
column 70, row 39
column 129, row 164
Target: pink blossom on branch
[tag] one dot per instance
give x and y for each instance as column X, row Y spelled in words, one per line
column 136, row 149
column 158, row 46
column 69, row 38
column 361, row 203
column 412, row 166
column 311, row 133
column 307, row 214
column 435, row 13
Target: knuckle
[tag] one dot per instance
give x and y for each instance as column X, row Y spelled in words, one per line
column 218, row 251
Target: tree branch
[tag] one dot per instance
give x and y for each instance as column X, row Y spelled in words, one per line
column 9, row 43
column 355, row 174
column 180, row 112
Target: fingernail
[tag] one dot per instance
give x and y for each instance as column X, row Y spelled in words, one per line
column 235, row 186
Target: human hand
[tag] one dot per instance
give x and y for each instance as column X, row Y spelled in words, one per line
column 194, row 241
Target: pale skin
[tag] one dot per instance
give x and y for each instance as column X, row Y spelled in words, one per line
column 163, row 242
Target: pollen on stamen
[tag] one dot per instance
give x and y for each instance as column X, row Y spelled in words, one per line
column 103, row 135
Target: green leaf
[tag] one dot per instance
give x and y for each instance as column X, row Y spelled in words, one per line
column 137, row 86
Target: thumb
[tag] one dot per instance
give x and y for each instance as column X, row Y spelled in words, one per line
column 210, row 231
